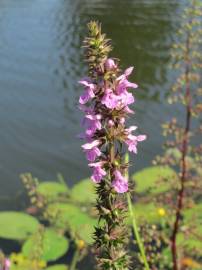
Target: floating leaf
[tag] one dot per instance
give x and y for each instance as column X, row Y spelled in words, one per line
column 52, row 189
column 20, row 262
column 147, row 211
column 147, row 179
column 20, row 267
column 57, row 267
column 84, row 191
column 51, row 247
column 192, row 244
column 193, row 241
column 17, row 225
column 194, row 215
column 68, row 215
column 16, row 267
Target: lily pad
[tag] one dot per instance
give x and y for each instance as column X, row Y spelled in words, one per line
column 147, row 212
column 20, row 267
column 57, row 267
column 194, row 216
column 147, row 179
column 192, row 244
column 192, row 241
column 17, row 225
column 51, row 246
column 79, row 222
column 52, row 189
column 84, row 191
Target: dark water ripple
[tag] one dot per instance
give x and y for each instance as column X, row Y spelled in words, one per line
column 41, row 62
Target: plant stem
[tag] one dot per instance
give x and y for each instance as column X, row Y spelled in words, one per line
column 135, row 226
column 183, row 177
column 136, row 232
column 75, row 260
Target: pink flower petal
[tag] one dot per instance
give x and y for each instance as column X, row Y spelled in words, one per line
column 89, row 146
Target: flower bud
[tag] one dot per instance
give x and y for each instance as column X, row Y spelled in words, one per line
column 110, row 64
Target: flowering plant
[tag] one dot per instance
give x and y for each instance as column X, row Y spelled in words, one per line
column 105, row 103
column 183, row 150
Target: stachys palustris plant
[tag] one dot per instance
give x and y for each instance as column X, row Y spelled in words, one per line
column 105, row 103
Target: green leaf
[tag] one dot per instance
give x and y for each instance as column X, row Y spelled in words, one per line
column 17, row 267
column 57, row 267
column 194, row 214
column 84, row 191
column 166, row 252
column 51, row 247
column 79, row 222
column 17, row 225
column 191, row 244
column 147, row 179
column 147, row 212
column 52, row 189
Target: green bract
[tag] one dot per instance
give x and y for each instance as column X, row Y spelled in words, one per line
column 147, row 179
column 16, row 225
column 52, row 246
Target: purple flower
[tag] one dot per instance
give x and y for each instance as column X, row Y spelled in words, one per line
column 110, row 64
column 84, row 136
column 130, row 129
column 98, row 172
column 120, row 183
column 122, row 120
column 6, row 264
column 123, row 83
column 128, row 110
column 88, row 92
column 111, row 123
column 85, row 109
column 127, row 72
column 133, row 140
column 110, row 100
column 92, row 122
column 115, row 97
column 126, row 98
column 91, row 150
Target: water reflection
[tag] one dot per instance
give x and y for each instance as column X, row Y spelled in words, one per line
column 142, row 32
column 41, row 61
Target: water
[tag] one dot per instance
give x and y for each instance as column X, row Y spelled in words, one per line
column 41, row 62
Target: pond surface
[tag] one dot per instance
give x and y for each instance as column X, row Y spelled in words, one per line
column 41, row 62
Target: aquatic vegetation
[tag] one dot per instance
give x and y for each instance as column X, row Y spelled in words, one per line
column 62, row 225
column 186, row 91
column 25, row 225
column 179, row 194
column 46, row 245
